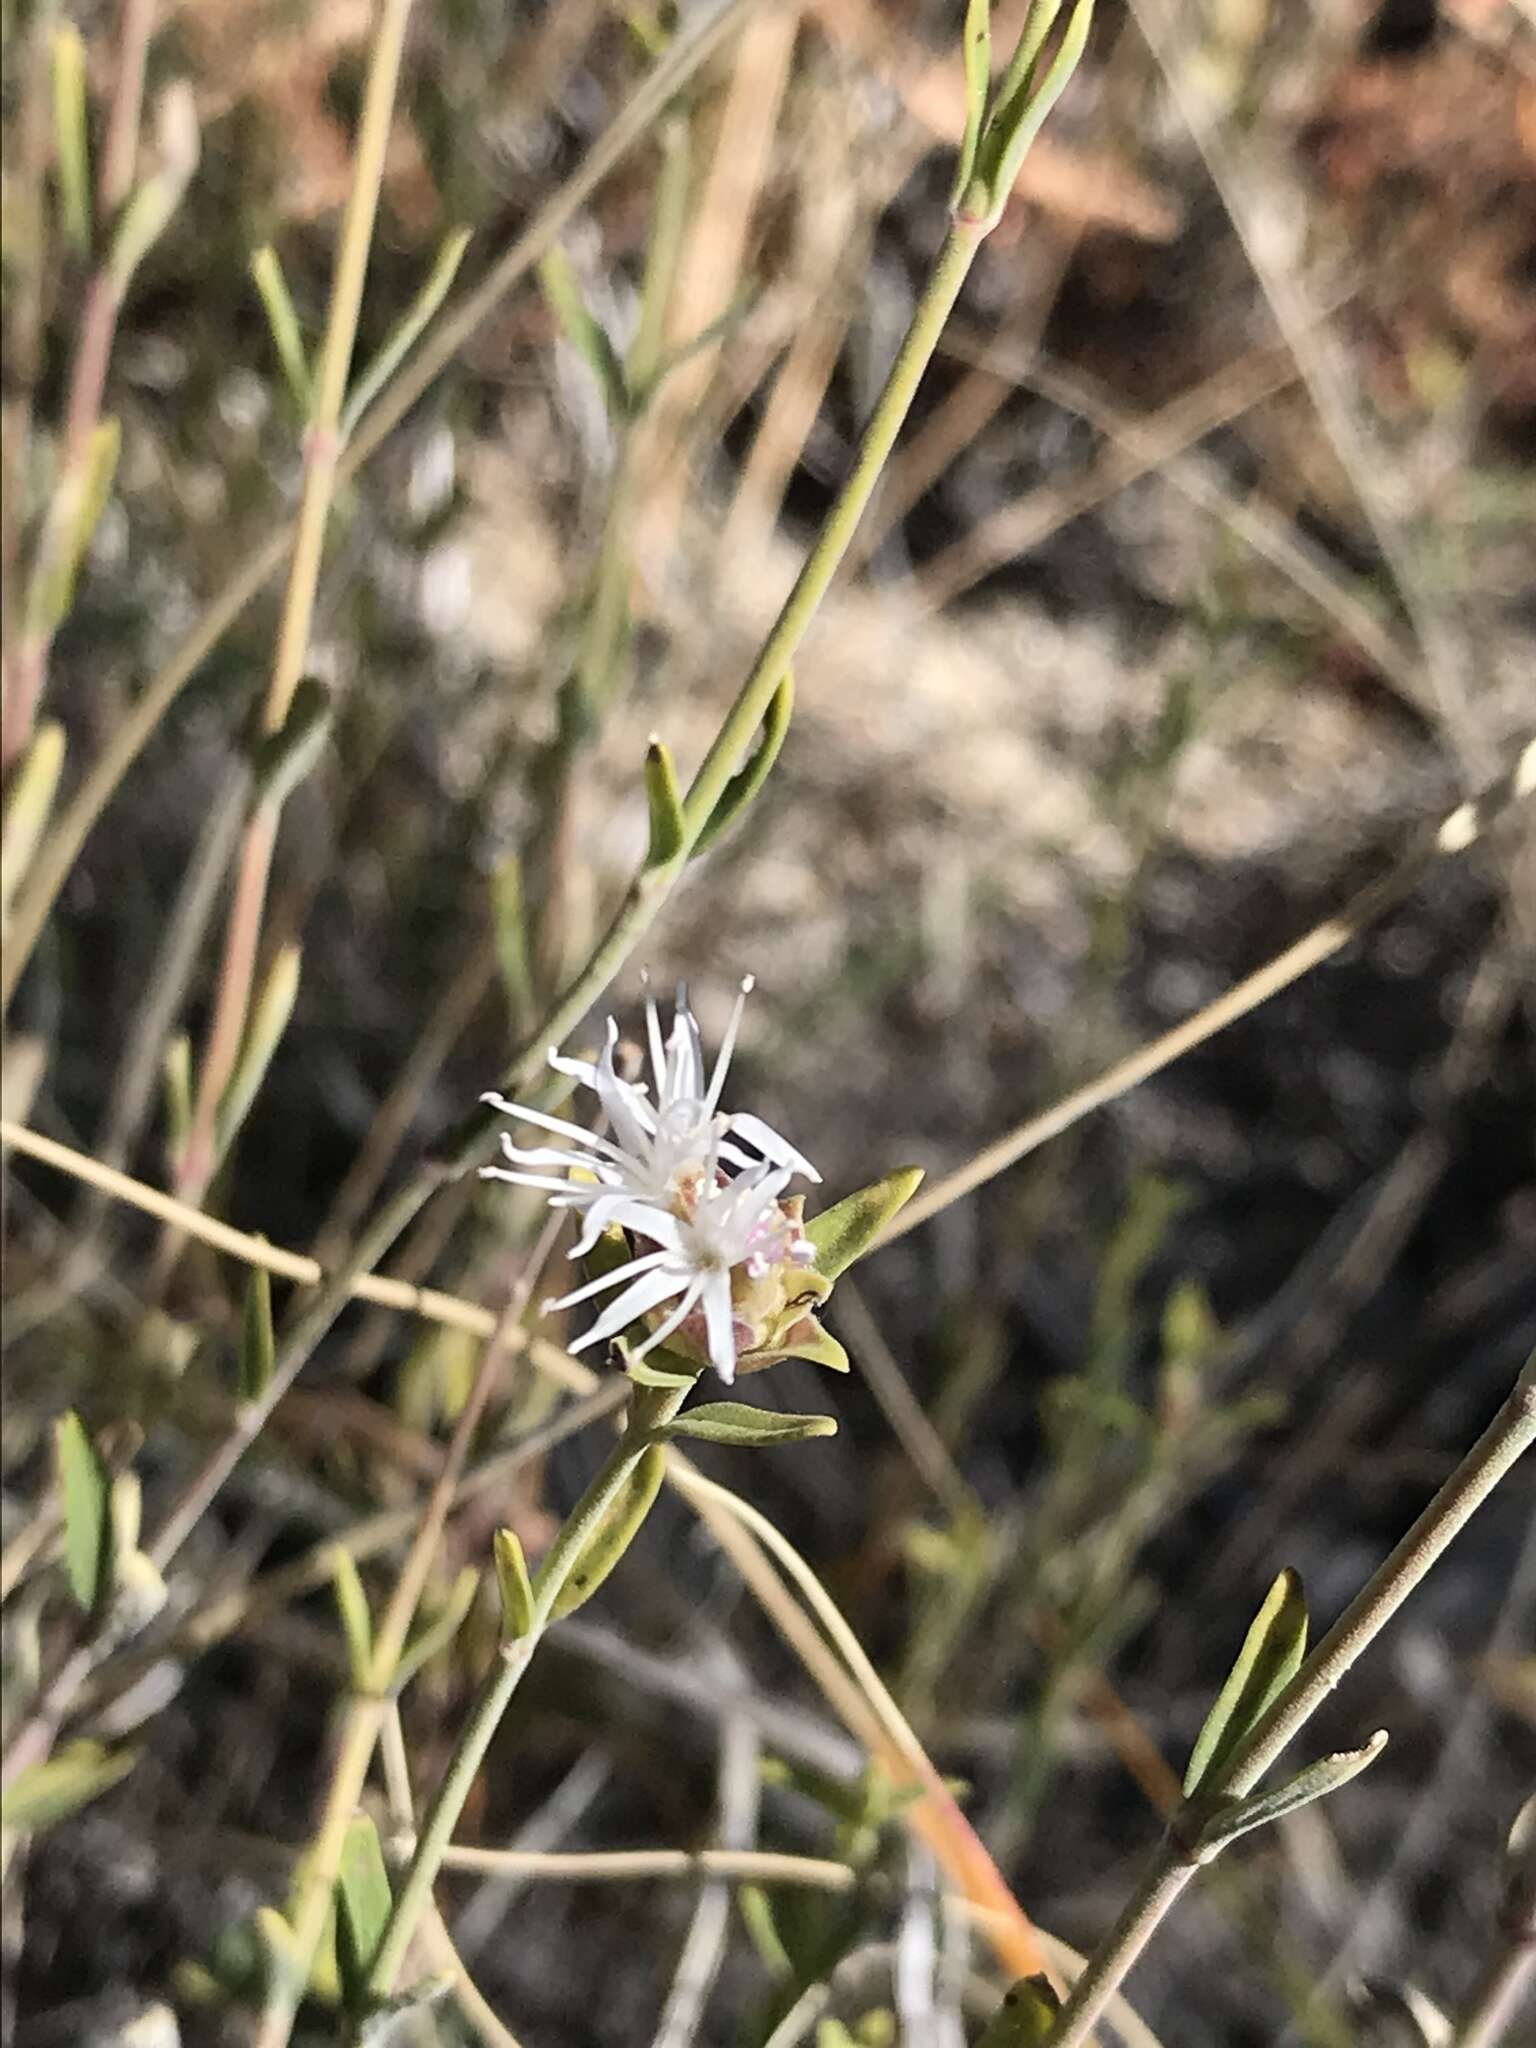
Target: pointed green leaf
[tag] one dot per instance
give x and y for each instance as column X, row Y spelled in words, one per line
column 362, row 1906
column 1021, row 121
column 846, row 1231
column 614, row 1533
column 403, row 337
column 263, row 1034
column 589, row 340
column 284, row 758
column 1269, row 1659
column 737, row 1422
column 70, row 1779
column 258, row 1346
column 1241, row 1816
column 86, row 1489
column 440, row 1631
column 1026, row 2017
column 148, row 212
column 74, row 513
column 514, row 1585
column 748, row 780
column 356, row 1621
column 28, row 805
column 71, row 145
column 977, row 54
column 287, row 336
column 666, row 806
column 644, row 1374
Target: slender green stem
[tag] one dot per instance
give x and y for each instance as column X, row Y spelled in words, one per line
column 1497, row 1450
column 57, row 856
column 491, row 1703
column 643, row 901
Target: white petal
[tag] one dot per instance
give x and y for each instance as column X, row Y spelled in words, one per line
column 645, row 1218
column 727, row 1047
column 648, row 1292
column 539, row 1180
column 644, row 1264
column 719, row 1324
column 771, row 1145
column 586, row 1139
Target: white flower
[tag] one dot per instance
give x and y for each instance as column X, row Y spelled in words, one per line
column 734, row 1224
column 673, row 1172
column 656, row 1152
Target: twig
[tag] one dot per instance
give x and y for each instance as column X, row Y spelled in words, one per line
column 1506, row 1439
column 26, row 663
column 58, row 853
column 366, row 1711
column 322, row 450
column 1453, row 835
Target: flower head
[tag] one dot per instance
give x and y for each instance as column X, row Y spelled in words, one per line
column 672, row 1171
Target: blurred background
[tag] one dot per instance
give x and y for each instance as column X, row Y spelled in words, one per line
column 1200, row 580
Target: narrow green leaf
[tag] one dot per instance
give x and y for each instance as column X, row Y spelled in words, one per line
column 263, row 1034
column 1269, row 1659
column 282, row 760
column 1021, row 121
column 977, row 55
column 845, row 1232
column 29, row 805
column 363, row 1901
column 86, row 1488
column 1026, row 2017
column 149, row 210
column 70, row 1779
column 258, row 1346
column 356, row 1621
column 514, row 1585
column 72, row 153
column 283, row 320
column 589, row 340
column 645, row 1374
column 737, row 1422
column 439, row 1632
column 1241, row 1816
column 755, row 1906
column 404, row 335
column 73, row 516
column 666, row 806
column 614, row 1533
column 744, row 785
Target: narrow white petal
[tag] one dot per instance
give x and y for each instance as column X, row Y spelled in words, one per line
column 727, row 1047
column 575, row 1132
column 545, row 1181
column 658, row 1050
column 648, row 1292
column 644, row 1264
column 718, row 1323
column 771, row 1145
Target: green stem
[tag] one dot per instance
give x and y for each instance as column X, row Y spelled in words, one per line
column 1497, row 1450
column 643, row 900
column 647, row 1412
